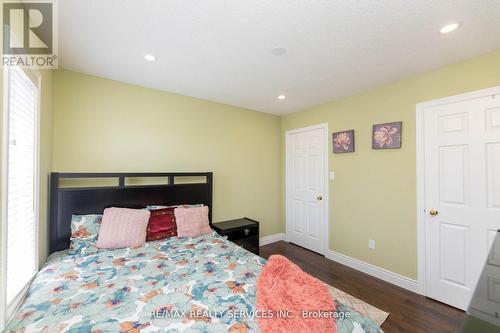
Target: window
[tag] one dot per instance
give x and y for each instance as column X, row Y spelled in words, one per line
column 20, row 183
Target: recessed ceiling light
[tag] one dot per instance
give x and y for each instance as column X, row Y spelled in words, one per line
column 281, row 97
column 449, row 27
column 150, row 57
column 278, row 51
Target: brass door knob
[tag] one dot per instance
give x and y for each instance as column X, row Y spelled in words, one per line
column 319, row 197
column 433, row 212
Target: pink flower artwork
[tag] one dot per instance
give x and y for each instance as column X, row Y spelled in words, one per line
column 343, row 142
column 387, row 136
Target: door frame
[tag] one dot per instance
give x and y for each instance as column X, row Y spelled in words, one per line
column 324, row 126
column 420, row 141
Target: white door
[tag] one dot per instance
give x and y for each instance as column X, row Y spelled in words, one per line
column 462, row 194
column 485, row 303
column 306, row 187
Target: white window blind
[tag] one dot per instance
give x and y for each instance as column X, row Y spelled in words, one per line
column 22, row 171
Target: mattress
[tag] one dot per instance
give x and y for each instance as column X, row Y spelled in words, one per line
column 202, row 284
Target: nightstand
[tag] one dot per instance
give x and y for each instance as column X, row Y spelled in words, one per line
column 243, row 232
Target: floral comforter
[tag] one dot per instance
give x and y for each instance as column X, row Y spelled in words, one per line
column 203, row 284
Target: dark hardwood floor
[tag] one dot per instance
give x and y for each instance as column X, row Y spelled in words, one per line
column 409, row 312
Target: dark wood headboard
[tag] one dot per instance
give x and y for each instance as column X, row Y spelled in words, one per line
column 67, row 200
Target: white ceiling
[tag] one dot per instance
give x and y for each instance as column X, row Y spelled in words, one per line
column 220, row 50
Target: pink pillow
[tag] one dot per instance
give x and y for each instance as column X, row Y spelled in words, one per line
column 123, row 227
column 192, row 222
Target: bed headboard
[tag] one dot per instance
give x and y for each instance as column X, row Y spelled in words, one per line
column 67, row 199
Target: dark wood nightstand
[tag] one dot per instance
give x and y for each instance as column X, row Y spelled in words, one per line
column 243, row 232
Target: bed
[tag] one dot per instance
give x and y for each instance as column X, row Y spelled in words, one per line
column 201, row 284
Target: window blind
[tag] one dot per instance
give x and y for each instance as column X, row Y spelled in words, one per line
column 21, row 182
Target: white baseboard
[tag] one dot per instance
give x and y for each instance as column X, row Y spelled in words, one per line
column 383, row 274
column 271, row 239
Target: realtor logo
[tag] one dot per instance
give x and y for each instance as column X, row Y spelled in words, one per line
column 29, row 34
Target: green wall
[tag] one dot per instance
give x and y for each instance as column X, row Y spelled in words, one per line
column 102, row 125
column 46, row 123
column 95, row 124
column 374, row 194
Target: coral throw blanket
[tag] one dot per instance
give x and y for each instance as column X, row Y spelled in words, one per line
column 283, row 286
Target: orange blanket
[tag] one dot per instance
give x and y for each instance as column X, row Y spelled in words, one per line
column 293, row 300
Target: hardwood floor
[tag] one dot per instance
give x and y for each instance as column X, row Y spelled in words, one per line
column 409, row 312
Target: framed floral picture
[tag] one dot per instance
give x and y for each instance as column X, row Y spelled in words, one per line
column 343, row 142
column 387, row 136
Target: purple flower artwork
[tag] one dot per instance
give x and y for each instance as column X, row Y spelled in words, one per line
column 387, row 136
column 343, row 142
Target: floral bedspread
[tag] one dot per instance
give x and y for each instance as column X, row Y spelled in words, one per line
column 203, row 284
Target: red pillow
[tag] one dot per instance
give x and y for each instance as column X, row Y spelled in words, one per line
column 161, row 224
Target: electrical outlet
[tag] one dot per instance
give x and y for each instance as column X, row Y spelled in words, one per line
column 371, row 244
